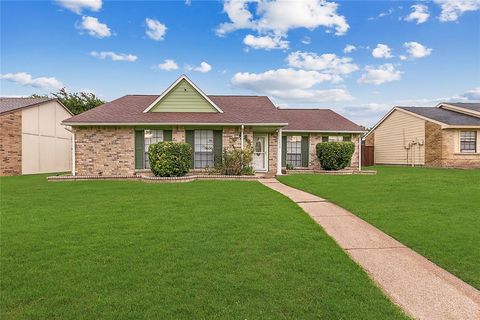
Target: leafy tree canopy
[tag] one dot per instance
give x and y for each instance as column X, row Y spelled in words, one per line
column 76, row 102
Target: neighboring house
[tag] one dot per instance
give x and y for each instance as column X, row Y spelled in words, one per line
column 32, row 140
column 443, row 136
column 113, row 139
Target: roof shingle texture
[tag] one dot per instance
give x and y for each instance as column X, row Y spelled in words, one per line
column 11, row 104
column 444, row 116
column 236, row 110
column 471, row 106
column 317, row 120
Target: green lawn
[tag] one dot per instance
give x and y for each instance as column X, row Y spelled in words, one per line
column 436, row 212
column 204, row 250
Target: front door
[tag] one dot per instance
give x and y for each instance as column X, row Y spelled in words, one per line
column 260, row 152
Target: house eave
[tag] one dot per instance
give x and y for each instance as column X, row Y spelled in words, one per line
column 326, row 131
column 78, row 124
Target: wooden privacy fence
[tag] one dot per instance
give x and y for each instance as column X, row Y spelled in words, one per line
column 368, row 156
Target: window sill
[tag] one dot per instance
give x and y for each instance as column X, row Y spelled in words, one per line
column 467, row 153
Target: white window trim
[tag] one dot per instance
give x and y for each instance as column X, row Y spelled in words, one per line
column 460, row 142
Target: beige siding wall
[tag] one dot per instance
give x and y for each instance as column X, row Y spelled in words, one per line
column 46, row 144
column 183, row 98
column 396, row 132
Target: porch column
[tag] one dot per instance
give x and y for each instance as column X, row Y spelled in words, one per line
column 73, row 153
column 360, row 153
column 279, row 152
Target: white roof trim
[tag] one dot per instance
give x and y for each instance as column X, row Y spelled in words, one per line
column 182, row 77
column 324, row 131
column 405, row 111
column 170, row 124
column 451, row 107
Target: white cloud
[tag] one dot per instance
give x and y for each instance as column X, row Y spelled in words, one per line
column 168, row 65
column 94, row 27
column 290, row 84
column 267, row 42
column 155, row 29
column 78, row 6
column 416, row 50
column 403, row 57
column 188, row 2
column 419, row 13
column 329, row 63
column 26, row 79
column 306, row 40
column 472, row 95
column 270, row 16
column 382, row 51
column 204, row 67
column 349, row 48
column 453, row 9
column 382, row 14
column 380, row 74
column 114, row 56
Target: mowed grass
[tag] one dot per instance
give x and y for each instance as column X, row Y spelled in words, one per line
column 436, row 212
column 200, row 250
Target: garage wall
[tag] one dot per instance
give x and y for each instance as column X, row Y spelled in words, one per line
column 46, row 145
column 394, row 133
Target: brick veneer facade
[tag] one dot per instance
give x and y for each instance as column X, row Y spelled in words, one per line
column 104, row 151
column 11, row 143
column 231, row 137
column 272, row 152
column 316, row 138
column 433, row 144
column 178, row 134
column 451, row 157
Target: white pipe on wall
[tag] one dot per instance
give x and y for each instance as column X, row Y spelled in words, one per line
column 279, row 153
column 360, row 153
column 73, row 153
column 241, row 137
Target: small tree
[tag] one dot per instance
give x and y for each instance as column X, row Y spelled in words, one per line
column 236, row 162
column 335, row 155
column 78, row 102
column 170, row 159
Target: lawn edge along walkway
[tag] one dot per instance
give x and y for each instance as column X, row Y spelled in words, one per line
column 420, row 287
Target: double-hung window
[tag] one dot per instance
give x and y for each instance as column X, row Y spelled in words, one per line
column 335, row 138
column 294, row 151
column 468, row 141
column 203, row 156
column 151, row 137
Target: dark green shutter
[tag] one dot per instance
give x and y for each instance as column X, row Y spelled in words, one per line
column 284, row 151
column 190, row 139
column 217, row 146
column 167, row 135
column 139, row 149
column 324, row 138
column 305, row 151
column 347, row 138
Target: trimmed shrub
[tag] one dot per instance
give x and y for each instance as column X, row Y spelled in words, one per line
column 335, row 155
column 170, row 159
column 235, row 162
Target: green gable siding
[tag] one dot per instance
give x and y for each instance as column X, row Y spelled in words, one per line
column 183, row 98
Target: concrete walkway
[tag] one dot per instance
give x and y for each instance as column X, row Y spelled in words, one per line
column 421, row 288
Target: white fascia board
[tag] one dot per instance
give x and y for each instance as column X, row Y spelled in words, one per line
column 171, row 124
column 324, row 131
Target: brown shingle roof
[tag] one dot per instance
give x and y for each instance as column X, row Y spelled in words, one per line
column 317, row 120
column 11, row 104
column 445, row 116
column 129, row 109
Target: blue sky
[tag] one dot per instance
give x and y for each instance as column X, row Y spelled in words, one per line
column 400, row 52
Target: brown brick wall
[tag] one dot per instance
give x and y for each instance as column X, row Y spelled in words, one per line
column 451, row 156
column 354, row 161
column 272, row 152
column 11, row 143
column 178, row 134
column 231, row 137
column 433, row 144
column 104, row 151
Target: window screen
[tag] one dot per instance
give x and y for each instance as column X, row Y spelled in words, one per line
column 151, row 137
column 294, row 151
column 203, row 149
column 468, row 141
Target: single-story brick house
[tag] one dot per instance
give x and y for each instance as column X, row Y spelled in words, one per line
column 446, row 135
column 113, row 139
column 32, row 140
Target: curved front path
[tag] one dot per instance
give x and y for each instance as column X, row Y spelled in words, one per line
column 421, row 288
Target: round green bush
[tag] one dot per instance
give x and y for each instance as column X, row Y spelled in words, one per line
column 170, row 159
column 335, row 155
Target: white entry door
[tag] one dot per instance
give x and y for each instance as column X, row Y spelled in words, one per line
column 260, row 152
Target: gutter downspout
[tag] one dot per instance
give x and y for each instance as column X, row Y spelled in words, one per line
column 279, row 152
column 360, row 153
